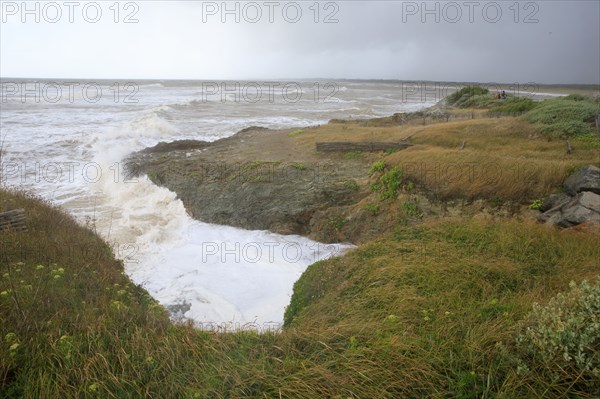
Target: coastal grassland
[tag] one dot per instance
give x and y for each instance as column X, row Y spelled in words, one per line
column 437, row 308
column 426, row 311
column 507, row 158
column 562, row 117
column 433, row 311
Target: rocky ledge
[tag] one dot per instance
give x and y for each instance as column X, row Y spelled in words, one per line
column 255, row 179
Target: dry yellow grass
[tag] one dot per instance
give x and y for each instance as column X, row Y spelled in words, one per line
column 505, row 158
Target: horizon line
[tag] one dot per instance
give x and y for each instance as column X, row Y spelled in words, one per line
column 300, row 79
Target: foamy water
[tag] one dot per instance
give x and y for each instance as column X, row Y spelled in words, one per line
column 70, row 151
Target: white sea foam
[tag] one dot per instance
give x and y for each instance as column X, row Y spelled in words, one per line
column 222, row 275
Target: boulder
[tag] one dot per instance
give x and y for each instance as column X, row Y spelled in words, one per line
column 554, row 200
column 583, row 208
column 585, row 179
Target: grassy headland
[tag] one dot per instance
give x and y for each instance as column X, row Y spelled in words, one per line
column 437, row 302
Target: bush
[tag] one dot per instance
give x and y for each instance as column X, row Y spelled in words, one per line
column 390, row 183
column 562, row 339
column 565, row 116
column 515, row 105
column 468, row 96
column 377, row 167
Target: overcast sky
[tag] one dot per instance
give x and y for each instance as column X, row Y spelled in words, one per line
column 483, row 41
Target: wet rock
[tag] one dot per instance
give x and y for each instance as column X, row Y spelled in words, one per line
column 177, row 145
column 177, row 311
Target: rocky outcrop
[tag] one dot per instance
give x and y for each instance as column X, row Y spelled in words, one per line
column 554, row 200
column 256, row 180
column 583, row 208
column 585, row 179
column 579, row 204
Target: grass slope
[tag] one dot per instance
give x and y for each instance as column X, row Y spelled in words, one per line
column 430, row 310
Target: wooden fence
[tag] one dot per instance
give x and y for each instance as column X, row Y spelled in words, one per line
column 13, row 220
column 349, row 146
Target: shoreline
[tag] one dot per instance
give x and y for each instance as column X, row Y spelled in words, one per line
column 277, row 180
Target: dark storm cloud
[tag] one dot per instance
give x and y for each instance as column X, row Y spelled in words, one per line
column 552, row 41
column 486, row 41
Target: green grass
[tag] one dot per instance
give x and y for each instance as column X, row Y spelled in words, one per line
column 388, row 184
column 565, row 117
column 295, row 133
column 430, row 311
column 470, row 96
column 435, row 311
column 378, row 166
column 372, row 208
column 353, row 155
column 411, row 209
column 298, row 166
column 337, row 222
column 351, row 184
column 514, row 105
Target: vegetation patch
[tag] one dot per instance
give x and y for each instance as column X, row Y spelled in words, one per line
column 470, row 97
column 536, row 204
column 565, row 117
column 351, row 184
column 353, row 155
column 337, row 222
column 295, row 133
column 514, row 105
column 388, row 184
column 561, row 340
column 298, row 166
column 378, row 166
column 411, row 209
column 372, row 208
column 448, row 306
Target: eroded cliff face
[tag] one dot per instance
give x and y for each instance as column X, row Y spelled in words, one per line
column 257, row 180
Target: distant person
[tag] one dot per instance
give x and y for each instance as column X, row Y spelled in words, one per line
column 503, row 95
